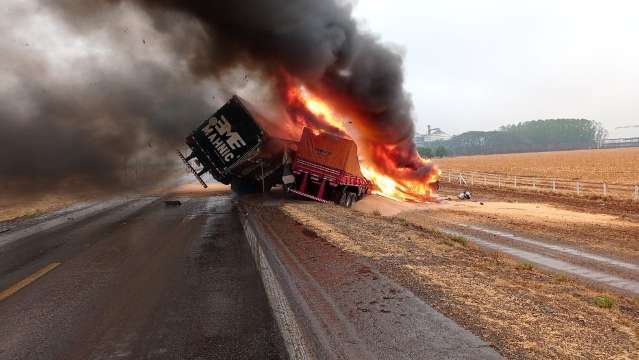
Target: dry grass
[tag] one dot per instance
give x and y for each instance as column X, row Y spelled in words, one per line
column 581, row 227
column 618, row 166
column 12, row 207
column 525, row 313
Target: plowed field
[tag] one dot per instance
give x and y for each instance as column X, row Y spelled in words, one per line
column 614, row 166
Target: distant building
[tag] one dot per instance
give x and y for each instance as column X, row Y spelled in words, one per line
column 434, row 134
column 622, row 136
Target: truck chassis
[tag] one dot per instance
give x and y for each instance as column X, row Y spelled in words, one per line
column 325, row 184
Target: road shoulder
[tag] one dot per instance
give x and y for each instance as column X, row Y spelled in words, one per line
column 522, row 311
column 354, row 309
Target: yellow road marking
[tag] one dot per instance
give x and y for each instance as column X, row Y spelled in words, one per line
column 28, row 280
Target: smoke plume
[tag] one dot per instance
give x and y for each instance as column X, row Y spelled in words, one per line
column 169, row 63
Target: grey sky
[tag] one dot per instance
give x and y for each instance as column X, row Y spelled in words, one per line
column 470, row 65
column 476, row 65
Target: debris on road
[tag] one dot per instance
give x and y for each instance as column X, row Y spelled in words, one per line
column 172, row 203
column 466, row 195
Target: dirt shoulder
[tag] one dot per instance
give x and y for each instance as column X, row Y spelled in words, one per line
column 609, row 230
column 626, row 209
column 522, row 312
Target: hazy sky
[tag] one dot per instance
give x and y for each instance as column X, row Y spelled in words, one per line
column 470, row 65
column 475, row 65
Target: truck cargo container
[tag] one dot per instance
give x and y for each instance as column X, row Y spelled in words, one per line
column 238, row 146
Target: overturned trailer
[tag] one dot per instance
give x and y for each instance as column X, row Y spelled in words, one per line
column 238, row 146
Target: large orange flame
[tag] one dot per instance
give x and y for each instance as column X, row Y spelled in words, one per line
column 317, row 107
column 378, row 162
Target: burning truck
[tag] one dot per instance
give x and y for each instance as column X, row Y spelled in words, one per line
column 240, row 147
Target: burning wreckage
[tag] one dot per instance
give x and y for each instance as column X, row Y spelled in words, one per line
column 240, row 147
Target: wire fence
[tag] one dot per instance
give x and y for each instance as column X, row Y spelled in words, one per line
column 555, row 185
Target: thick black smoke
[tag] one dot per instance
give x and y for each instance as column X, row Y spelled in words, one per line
column 318, row 42
column 86, row 127
column 104, row 119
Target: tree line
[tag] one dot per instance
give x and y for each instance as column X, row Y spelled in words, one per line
column 529, row 136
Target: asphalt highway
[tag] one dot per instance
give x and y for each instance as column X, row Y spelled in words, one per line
column 145, row 281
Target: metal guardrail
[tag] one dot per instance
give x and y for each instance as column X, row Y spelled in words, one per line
column 555, row 185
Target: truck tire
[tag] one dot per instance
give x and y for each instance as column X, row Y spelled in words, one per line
column 342, row 198
column 243, row 187
column 351, row 198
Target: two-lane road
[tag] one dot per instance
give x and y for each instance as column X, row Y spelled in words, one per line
column 137, row 282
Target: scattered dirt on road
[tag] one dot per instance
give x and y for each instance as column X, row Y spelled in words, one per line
column 384, row 206
column 195, row 189
column 522, row 311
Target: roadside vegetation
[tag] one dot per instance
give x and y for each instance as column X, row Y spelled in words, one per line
column 523, row 312
column 604, row 301
column 528, row 136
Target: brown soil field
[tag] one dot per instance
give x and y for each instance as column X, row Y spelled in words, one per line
column 624, row 208
column 18, row 205
column 525, row 313
column 24, row 205
column 615, row 166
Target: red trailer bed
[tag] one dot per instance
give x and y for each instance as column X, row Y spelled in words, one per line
column 326, row 169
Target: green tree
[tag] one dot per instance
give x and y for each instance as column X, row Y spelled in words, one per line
column 441, row 151
column 536, row 135
column 425, row 152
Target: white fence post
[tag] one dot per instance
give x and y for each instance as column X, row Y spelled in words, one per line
column 461, row 179
column 554, row 184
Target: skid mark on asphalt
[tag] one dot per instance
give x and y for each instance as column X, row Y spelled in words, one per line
column 28, row 280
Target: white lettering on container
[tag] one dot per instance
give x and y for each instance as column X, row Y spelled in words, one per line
column 224, row 139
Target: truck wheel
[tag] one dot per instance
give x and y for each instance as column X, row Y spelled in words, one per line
column 342, row 199
column 350, row 199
